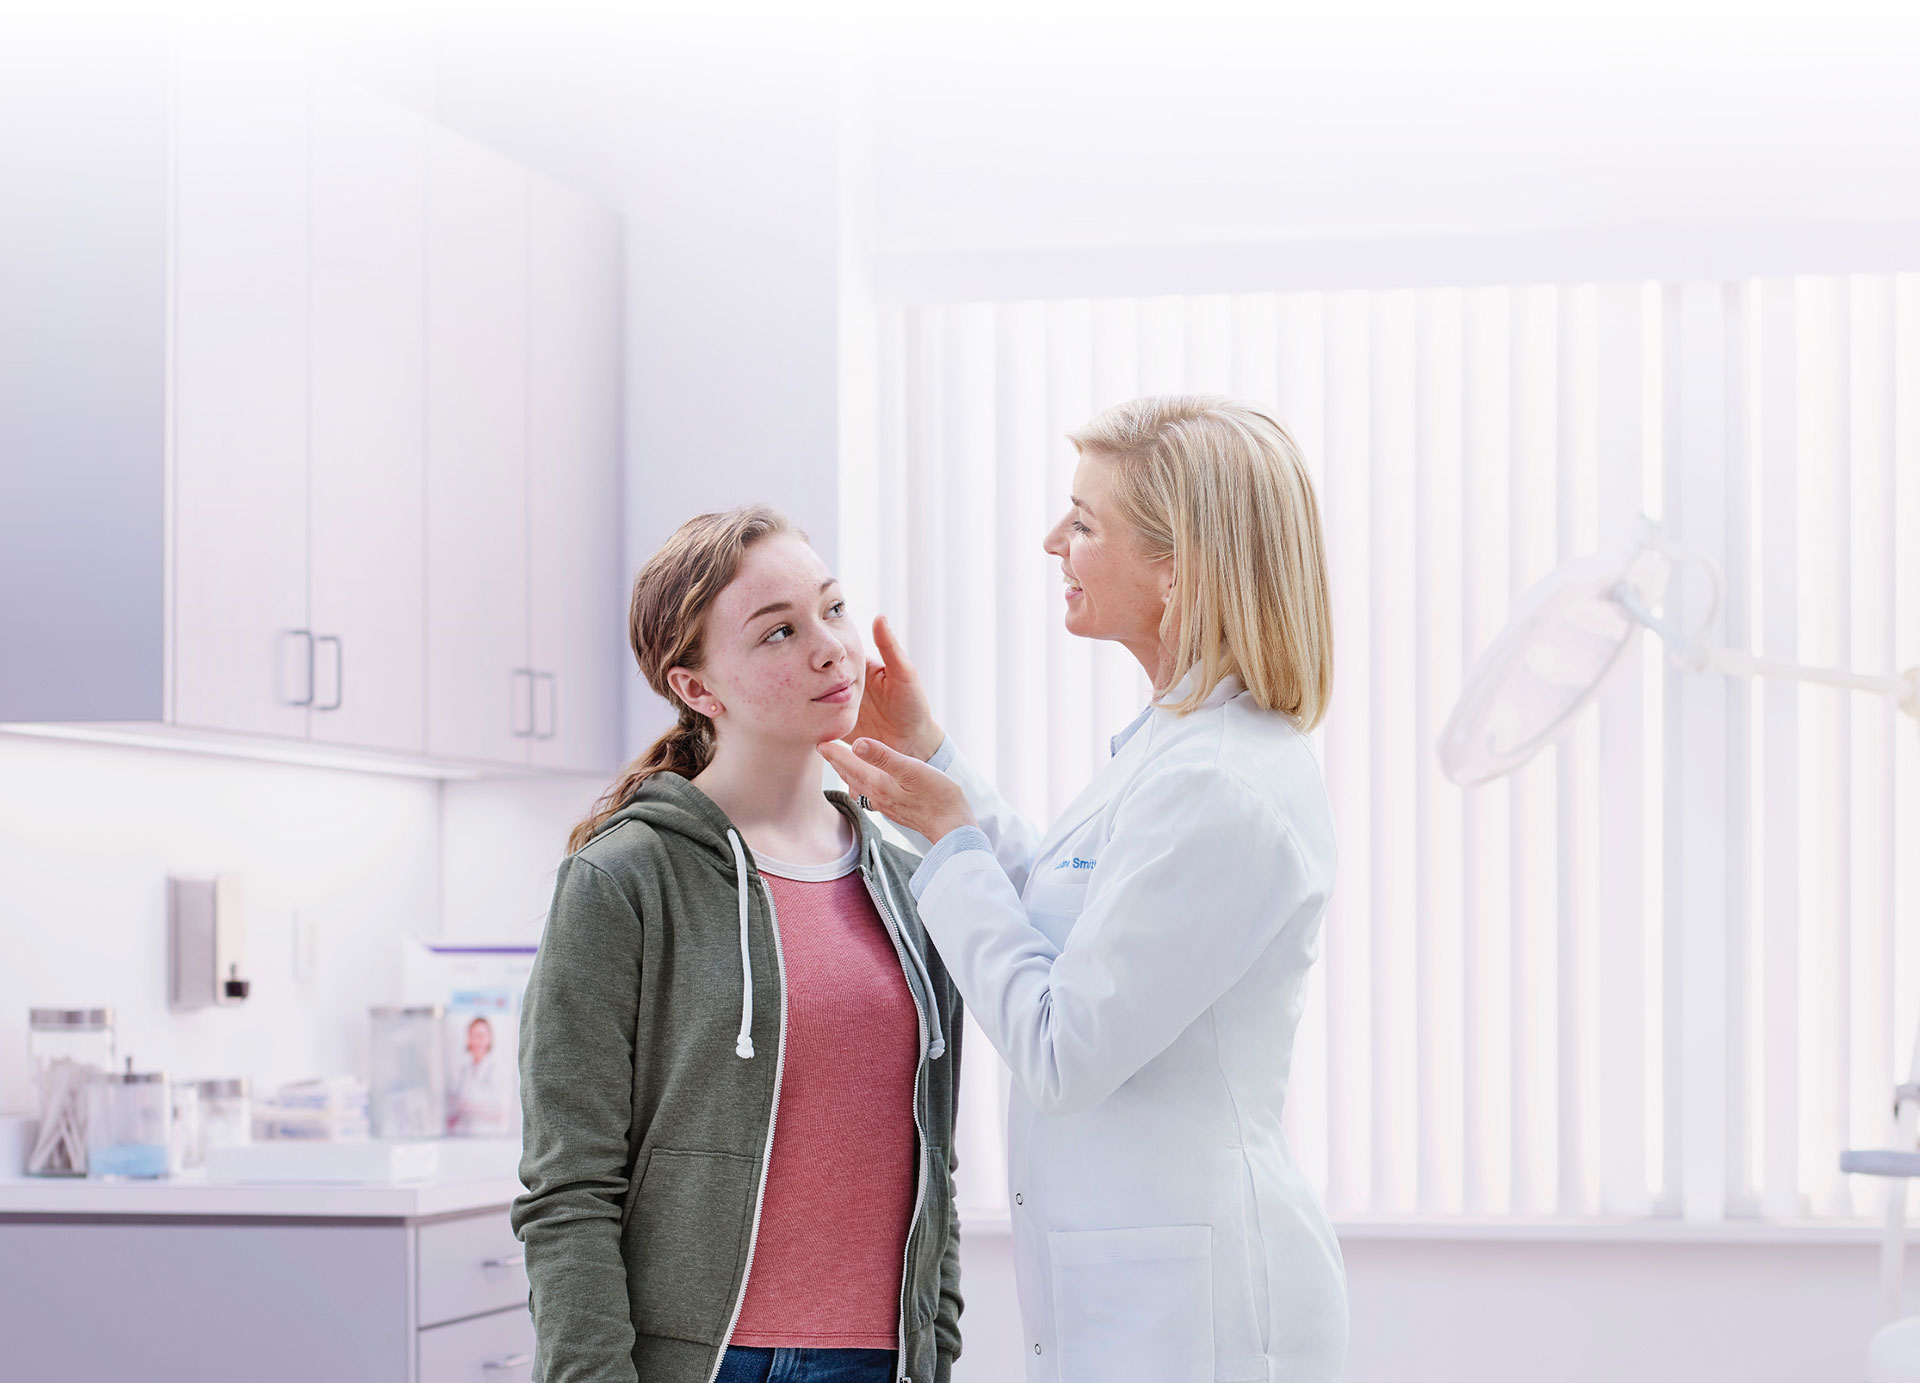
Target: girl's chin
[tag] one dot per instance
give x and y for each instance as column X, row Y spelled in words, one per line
column 840, row 721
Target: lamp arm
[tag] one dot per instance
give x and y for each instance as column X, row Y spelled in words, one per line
column 1903, row 687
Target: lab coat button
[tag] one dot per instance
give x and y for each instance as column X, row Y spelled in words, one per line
column 1036, row 1347
column 1019, row 1199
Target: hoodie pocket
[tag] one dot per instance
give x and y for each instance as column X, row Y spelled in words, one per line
column 685, row 1241
column 1134, row 1303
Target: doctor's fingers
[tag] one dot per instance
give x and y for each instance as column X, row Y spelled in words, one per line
column 892, row 652
column 862, row 779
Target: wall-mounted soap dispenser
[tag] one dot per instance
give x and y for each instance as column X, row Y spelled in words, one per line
column 207, row 942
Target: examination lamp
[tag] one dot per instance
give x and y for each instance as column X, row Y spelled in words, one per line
column 1551, row 660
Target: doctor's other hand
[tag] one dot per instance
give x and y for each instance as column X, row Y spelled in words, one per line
column 894, row 708
column 902, row 789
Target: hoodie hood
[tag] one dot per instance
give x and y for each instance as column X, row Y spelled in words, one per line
column 670, row 804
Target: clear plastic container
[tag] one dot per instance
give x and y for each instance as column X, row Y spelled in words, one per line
column 226, row 1113
column 66, row 1047
column 407, row 1079
column 129, row 1124
column 185, row 1146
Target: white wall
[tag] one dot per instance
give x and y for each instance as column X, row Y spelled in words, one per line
column 90, row 833
column 1502, row 1312
column 1603, row 1313
column 88, row 837
column 501, row 842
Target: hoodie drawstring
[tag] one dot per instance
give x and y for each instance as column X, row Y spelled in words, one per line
column 937, row 1048
column 743, row 1047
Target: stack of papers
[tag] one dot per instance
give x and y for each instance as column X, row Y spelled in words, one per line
column 329, row 1110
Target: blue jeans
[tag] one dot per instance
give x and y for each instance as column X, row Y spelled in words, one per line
column 745, row 1364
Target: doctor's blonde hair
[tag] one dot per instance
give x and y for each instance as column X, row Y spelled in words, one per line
column 1221, row 489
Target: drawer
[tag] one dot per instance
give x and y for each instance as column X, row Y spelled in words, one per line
column 486, row 1349
column 468, row 1267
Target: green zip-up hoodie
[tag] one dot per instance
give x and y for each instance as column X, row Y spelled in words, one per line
column 650, row 1056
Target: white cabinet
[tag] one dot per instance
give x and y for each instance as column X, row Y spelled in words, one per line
column 363, row 484
column 299, row 307
column 527, row 627
column 468, row 1266
column 366, row 497
column 232, row 1299
column 240, row 397
column 578, row 650
column 488, row 1349
column 479, row 690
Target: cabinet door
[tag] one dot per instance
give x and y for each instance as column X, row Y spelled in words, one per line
column 579, row 630
column 368, row 478
column 479, row 686
column 239, row 607
column 487, row 1349
column 467, row 1267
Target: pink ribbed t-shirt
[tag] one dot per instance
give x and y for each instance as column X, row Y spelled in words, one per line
column 840, row 1186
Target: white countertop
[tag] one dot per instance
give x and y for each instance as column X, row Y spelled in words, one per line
column 292, row 1181
column 193, row 1194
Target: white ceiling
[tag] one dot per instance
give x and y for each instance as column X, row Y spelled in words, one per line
column 1000, row 131
column 1161, row 135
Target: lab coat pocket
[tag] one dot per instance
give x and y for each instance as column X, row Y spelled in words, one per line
column 1056, row 896
column 1133, row 1304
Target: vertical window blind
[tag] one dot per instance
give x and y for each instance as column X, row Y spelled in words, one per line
column 1672, row 967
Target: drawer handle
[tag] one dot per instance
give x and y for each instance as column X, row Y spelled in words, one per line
column 512, row 1361
column 517, row 1260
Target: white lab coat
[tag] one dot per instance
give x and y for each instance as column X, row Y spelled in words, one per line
column 1141, row 969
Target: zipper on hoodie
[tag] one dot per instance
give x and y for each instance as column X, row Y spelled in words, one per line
column 894, row 934
column 766, row 1155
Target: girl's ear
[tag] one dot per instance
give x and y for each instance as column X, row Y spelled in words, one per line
column 694, row 693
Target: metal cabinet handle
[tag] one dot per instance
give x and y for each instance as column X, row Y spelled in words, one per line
column 511, row 1261
column 553, row 704
column 511, row 1361
column 530, row 675
column 339, row 672
column 306, row 634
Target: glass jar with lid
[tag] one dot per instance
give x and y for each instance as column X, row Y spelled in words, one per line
column 186, row 1147
column 129, row 1124
column 226, row 1113
column 66, row 1047
column 407, row 1085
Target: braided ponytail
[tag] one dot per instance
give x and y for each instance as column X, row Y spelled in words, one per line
column 665, row 624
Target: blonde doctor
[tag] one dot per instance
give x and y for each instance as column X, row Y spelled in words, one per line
column 1140, row 965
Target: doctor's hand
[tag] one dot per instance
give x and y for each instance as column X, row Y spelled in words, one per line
column 894, row 709
column 902, row 789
